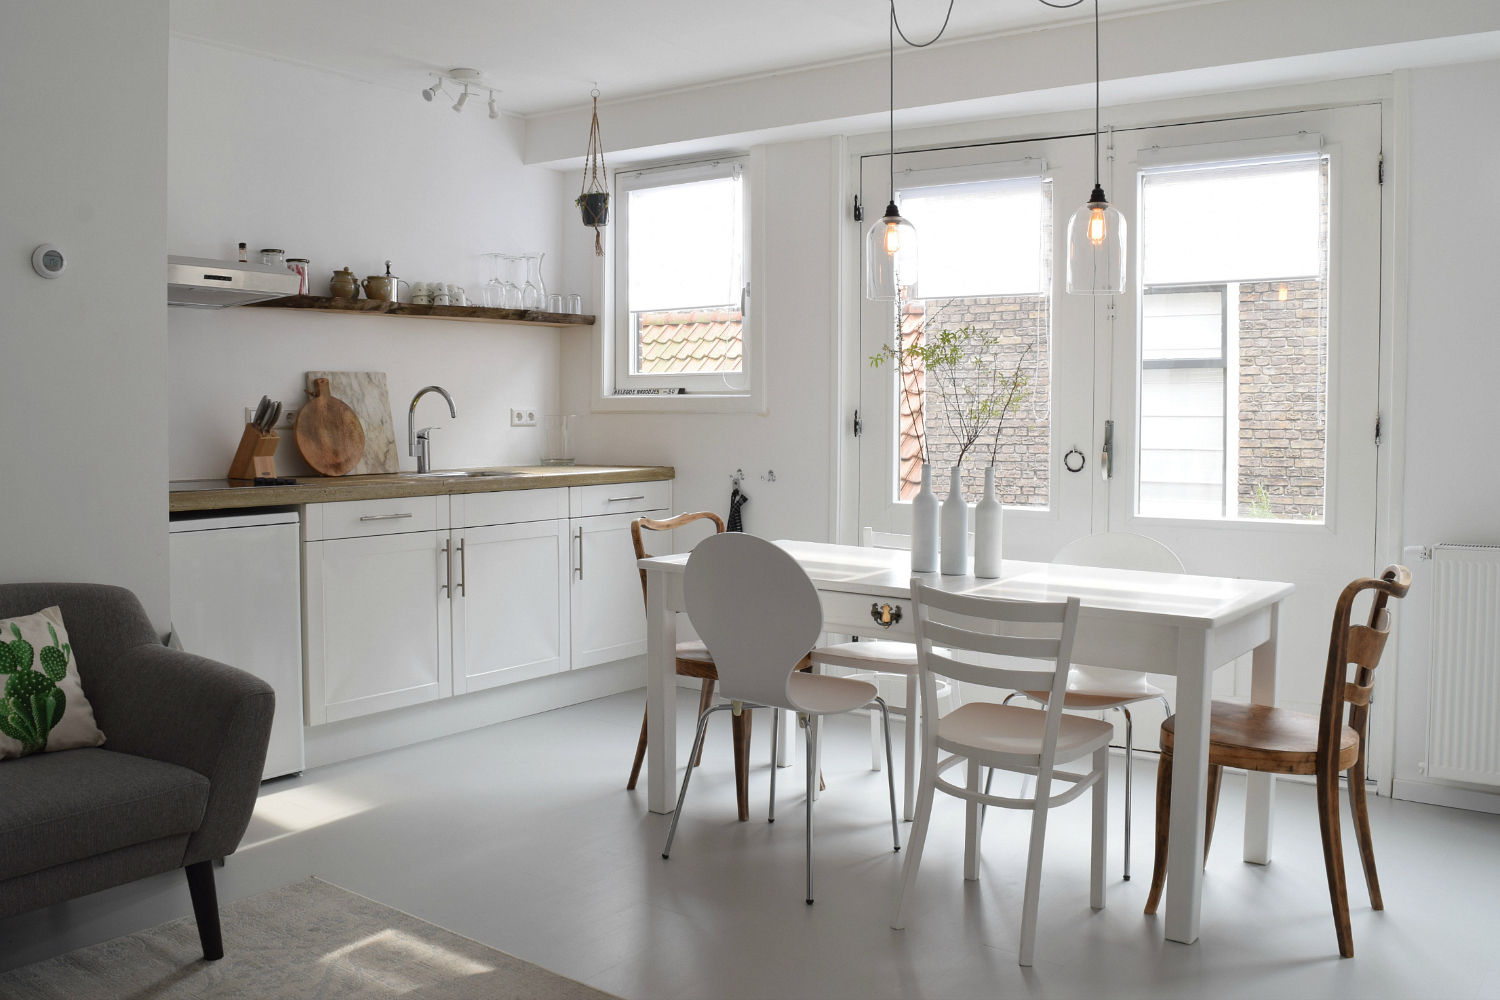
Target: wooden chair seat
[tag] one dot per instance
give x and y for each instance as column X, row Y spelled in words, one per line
column 1262, row 738
column 694, row 660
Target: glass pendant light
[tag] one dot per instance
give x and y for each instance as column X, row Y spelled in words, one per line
column 891, row 243
column 1096, row 232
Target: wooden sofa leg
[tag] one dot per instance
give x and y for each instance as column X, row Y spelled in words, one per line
column 200, row 877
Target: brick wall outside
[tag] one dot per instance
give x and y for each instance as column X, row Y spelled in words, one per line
column 1022, row 468
column 1282, row 406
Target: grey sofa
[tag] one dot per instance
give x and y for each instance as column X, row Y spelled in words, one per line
column 173, row 785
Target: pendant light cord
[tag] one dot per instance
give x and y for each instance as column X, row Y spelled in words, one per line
column 892, row 157
column 923, row 45
column 1065, row 6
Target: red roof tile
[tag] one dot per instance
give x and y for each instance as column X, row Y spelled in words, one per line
column 709, row 340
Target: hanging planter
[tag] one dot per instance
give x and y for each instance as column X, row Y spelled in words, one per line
column 593, row 197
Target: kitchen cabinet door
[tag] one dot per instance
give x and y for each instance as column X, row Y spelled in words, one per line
column 510, row 603
column 609, row 613
column 378, row 623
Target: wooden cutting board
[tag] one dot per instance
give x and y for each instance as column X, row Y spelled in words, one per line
column 367, row 395
column 328, row 433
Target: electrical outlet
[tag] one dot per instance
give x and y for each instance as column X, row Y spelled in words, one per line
column 288, row 419
column 249, row 414
column 522, row 417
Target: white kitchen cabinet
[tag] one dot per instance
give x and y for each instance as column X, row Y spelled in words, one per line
column 510, row 601
column 378, row 630
column 413, row 599
column 609, row 616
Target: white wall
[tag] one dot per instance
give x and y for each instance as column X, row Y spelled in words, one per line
column 82, row 374
column 795, row 293
column 347, row 173
column 1453, row 354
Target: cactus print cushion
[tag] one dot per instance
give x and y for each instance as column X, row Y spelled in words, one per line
column 42, row 706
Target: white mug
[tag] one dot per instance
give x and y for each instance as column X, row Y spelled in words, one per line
column 420, row 296
column 439, row 295
column 457, row 296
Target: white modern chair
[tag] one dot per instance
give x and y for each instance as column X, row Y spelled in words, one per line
column 1011, row 737
column 759, row 614
column 1099, row 689
column 885, row 656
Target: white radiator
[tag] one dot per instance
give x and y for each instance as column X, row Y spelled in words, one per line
column 1463, row 714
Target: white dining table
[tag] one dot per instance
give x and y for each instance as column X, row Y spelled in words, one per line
column 1165, row 623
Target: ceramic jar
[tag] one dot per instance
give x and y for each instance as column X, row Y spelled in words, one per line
column 344, row 285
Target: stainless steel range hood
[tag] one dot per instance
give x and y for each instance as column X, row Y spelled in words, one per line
column 216, row 284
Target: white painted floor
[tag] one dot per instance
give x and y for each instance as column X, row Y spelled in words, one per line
column 522, row 836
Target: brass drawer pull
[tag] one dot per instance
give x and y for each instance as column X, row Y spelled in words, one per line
column 884, row 615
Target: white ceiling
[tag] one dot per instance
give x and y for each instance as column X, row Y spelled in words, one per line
column 544, row 55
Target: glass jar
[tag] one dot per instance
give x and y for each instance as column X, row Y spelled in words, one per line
column 303, row 269
column 273, row 256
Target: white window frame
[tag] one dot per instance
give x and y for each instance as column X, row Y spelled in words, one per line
column 699, row 387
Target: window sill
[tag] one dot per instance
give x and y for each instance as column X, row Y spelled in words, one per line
column 747, row 402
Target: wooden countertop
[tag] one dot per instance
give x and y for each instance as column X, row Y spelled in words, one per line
column 219, row 495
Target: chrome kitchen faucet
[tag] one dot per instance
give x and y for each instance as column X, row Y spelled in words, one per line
column 419, row 442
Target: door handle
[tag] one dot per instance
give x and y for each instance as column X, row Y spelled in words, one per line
column 1107, row 453
column 463, row 570
column 383, row 517
column 443, row 587
column 624, row 499
column 580, row 552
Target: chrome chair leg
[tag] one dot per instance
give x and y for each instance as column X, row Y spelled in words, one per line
column 1129, row 771
column 682, row 795
column 812, row 766
column 890, row 772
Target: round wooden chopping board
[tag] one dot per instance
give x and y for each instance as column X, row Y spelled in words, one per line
column 329, row 435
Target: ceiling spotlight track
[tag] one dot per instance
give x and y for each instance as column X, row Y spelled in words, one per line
column 471, row 82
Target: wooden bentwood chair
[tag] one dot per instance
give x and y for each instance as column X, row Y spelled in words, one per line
column 693, row 660
column 1276, row 740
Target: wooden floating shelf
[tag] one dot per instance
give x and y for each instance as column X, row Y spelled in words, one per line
column 464, row 314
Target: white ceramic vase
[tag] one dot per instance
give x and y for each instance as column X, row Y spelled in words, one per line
column 987, row 524
column 924, row 526
column 955, row 535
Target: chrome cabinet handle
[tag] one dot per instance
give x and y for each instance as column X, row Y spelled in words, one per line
column 447, row 566
column 463, row 570
column 383, row 517
column 623, row 499
column 580, row 552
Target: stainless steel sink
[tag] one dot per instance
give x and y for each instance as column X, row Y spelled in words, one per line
column 465, row 474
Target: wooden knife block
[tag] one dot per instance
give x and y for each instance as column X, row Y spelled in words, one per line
column 256, row 455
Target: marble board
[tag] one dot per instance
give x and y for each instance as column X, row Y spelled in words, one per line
column 367, row 394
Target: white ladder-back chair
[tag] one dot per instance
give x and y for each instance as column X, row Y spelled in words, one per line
column 1099, row 689
column 759, row 614
column 989, row 735
column 884, row 656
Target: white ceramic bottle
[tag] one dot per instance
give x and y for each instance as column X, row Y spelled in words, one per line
column 955, row 540
column 924, row 526
column 987, row 525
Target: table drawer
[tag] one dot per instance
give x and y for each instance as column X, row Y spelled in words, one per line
column 850, row 614
column 619, row 498
column 361, row 518
column 472, row 510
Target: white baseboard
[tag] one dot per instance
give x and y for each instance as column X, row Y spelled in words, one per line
column 340, row 741
column 1452, row 796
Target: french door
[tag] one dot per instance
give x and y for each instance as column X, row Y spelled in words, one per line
column 1235, row 381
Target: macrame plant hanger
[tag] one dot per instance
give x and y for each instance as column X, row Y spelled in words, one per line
column 595, row 176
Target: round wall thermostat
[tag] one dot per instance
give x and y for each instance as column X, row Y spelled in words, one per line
column 48, row 260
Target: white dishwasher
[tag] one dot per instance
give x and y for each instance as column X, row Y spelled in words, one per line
column 236, row 598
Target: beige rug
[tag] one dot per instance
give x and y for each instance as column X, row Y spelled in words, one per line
column 306, row 940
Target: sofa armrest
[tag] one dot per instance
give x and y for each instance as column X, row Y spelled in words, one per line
column 197, row 713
